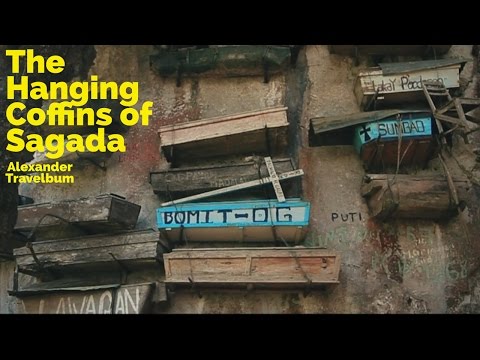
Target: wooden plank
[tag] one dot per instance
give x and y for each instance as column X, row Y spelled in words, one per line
column 221, row 124
column 392, row 88
column 247, row 221
column 274, row 178
column 405, row 196
column 135, row 248
column 237, row 234
column 126, row 299
column 258, row 266
column 228, row 189
column 235, row 134
column 194, row 180
column 104, row 213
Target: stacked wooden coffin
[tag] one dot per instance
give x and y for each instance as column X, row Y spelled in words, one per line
column 228, row 243
column 395, row 134
column 70, row 242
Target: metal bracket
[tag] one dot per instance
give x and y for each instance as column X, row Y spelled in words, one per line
column 356, row 61
column 194, row 288
column 182, row 237
column 308, row 289
column 160, row 264
column 373, row 101
column 294, row 52
column 267, row 140
column 265, row 73
column 15, row 279
column 124, row 269
column 178, row 81
column 32, row 232
column 265, row 66
column 42, row 268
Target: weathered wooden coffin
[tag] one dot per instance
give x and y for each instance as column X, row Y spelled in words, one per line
column 236, row 60
column 377, row 142
column 195, row 180
column 254, row 221
column 104, row 213
column 93, row 299
column 403, row 50
column 400, row 83
column 132, row 249
column 408, row 196
column 283, row 267
column 247, row 133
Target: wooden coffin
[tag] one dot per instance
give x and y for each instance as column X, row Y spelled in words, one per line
column 104, row 213
column 235, row 60
column 402, row 50
column 247, row 133
column 400, row 83
column 377, row 142
column 134, row 249
column 408, row 196
column 95, row 299
column 195, row 180
column 283, row 267
column 254, row 221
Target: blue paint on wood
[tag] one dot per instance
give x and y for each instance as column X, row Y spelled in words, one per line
column 292, row 212
column 415, row 126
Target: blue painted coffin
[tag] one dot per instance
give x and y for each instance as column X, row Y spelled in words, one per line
column 256, row 220
column 388, row 129
column 377, row 142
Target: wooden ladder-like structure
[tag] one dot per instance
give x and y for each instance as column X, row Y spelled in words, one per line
column 456, row 113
